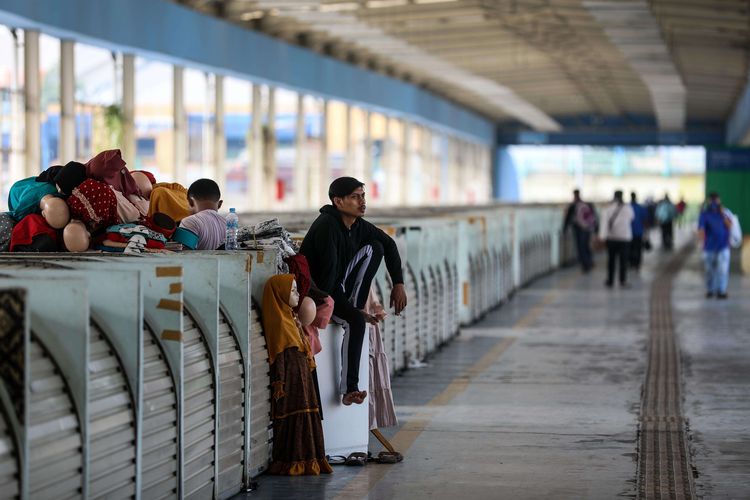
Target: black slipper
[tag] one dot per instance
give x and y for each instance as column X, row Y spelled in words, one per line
column 389, row 457
column 357, row 458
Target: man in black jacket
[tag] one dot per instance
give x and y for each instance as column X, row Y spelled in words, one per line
column 344, row 252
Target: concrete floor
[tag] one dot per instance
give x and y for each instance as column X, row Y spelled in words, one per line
column 540, row 399
column 714, row 337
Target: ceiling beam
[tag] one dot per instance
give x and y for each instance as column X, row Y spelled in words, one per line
column 633, row 29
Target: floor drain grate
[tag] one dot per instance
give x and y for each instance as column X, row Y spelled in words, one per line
column 664, row 470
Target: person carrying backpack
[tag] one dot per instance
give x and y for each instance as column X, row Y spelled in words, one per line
column 581, row 216
column 719, row 229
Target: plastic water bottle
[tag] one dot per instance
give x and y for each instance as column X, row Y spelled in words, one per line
column 233, row 225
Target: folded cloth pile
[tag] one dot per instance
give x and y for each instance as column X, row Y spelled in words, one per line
column 132, row 238
column 269, row 234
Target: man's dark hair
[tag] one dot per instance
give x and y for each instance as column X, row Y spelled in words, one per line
column 633, row 197
column 204, row 189
column 577, row 193
column 343, row 186
column 618, row 195
column 713, row 195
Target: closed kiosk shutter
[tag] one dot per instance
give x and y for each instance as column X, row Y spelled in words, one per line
column 411, row 346
column 111, row 422
column 260, row 397
column 54, row 435
column 10, row 486
column 159, row 435
column 425, row 323
column 231, row 410
column 199, row 396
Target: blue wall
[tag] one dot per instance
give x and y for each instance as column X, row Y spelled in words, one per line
column 166, row 31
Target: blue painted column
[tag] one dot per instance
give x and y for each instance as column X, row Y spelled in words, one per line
column 506, row 187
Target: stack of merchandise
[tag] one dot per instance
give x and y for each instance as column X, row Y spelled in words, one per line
column 268, row 235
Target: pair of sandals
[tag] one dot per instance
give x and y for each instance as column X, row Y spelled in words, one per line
column 359, row 458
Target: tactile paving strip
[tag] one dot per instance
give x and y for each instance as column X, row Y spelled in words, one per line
column 663, row 460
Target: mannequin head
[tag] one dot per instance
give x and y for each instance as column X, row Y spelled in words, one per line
column 144, row 183
column 293, row 296
column 55, row 211
column 76, row 237
column 307, row 311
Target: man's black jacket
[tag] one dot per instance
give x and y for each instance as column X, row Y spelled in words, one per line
column 329, row 247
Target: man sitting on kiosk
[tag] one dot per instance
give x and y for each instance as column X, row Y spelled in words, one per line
column 344, row 252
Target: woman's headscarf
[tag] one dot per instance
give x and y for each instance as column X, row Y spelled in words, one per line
column 93, row 203
column 279, row 327
column 109, row 167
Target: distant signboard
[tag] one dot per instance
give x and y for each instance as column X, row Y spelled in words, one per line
column 728, row 159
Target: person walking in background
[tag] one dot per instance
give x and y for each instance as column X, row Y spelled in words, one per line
column 715, row 227
column 680, row 207
column 616, row 230
column 581, row 216
column 638, row 228
column 665, row 215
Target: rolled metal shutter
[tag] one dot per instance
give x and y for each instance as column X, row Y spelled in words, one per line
column 55, row 446
column 397, row 326
column 10, row 487
column 387, row 327
column 260, row 397
column 231, row 410
column 111, row 422
column 411, row 347
column 425, row 321
column 438, row 306
column 199, row 396
column 160, row 453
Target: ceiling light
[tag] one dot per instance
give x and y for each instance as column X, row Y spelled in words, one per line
column 249, row 16
column 338, row 7
column 379, row 4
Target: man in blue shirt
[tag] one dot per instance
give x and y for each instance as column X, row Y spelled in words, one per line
column 713, row 228
column 638, row 227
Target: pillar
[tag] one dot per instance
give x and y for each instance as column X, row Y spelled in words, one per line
column 67, row 147
column 180, row 125
column 219, row 140
column 301, row 174
column 255, row 165
column 128, row 109
column 32, row 95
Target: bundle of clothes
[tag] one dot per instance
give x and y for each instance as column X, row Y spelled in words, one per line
column 269, row 235
column 97, row 205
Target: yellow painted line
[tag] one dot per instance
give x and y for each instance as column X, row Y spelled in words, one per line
column 360, row 485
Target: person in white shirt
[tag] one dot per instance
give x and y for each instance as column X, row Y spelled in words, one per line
column 615, row 229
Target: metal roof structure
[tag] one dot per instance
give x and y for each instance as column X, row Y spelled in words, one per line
column 533, row 64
